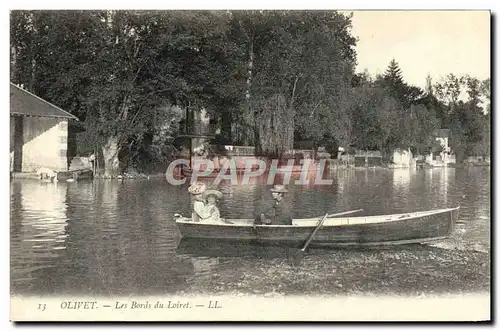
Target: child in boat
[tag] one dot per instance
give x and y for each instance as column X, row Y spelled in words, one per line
column 212, row 197
column 200, row 210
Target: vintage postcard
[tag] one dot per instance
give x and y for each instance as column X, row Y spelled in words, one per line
column 250, row 165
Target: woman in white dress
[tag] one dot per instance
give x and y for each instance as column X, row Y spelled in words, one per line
column 211, row 198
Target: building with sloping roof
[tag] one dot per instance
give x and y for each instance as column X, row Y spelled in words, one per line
column 38, row 133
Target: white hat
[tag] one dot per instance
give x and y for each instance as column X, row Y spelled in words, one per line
column 197, row 188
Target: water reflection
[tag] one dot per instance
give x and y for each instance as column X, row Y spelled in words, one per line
column 443, row 188
column 209, row 249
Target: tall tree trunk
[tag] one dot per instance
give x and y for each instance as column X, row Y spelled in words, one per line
column 254, row 123
column 226, row 133
column 110, row 154
column 33, row 76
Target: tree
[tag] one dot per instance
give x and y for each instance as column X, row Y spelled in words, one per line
column 465, row 118
column 429, row 90
column 486, row 93
column 393, row 81
column 272, row 75
column 117, row 70
column 420, row 127
column 375, row 118
column 393, row 74
column 448, row 91
column 362, row 79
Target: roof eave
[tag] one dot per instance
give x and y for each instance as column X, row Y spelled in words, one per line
column 72, row 117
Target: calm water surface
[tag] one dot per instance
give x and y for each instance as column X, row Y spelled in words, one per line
column 114, row 237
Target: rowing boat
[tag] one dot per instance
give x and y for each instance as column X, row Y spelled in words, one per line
column 405, row 228
column 188, row 172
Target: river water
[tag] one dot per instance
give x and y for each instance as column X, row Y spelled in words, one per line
column 112, row 237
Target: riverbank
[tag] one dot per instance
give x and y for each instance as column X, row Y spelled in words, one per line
column 296, row 170
column 59, row 230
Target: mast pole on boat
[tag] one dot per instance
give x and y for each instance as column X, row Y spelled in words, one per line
column 191, row 153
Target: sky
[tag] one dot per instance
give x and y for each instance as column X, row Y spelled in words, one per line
column 424, row 42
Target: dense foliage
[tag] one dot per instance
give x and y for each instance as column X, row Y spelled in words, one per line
column 267, row 78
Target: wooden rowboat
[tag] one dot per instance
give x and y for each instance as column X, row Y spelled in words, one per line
column 407, row 228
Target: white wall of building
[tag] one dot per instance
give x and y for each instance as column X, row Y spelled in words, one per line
column 45, row 144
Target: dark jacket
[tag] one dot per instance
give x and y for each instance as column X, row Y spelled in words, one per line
column 279, row 213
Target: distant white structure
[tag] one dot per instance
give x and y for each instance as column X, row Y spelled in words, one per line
column 38, row 133
column 403, row 158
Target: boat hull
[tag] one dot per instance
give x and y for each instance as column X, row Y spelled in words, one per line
column 187, row 172
column 80, row 174
column 406, row 230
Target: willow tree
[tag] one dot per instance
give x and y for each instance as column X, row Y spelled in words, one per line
column 117, row 70
column 298, row 63
column 89, row 62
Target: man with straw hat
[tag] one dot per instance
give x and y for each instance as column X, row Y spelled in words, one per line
column 212, row 197
column 278, row 213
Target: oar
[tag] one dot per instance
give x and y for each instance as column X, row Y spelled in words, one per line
column 299, row 255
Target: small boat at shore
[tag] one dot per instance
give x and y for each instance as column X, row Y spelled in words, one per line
column 406, row 228
column 75, row 175
column 296, row 170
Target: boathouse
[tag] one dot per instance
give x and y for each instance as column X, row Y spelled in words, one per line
column 38, row 133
